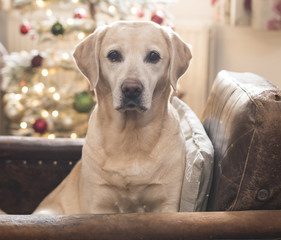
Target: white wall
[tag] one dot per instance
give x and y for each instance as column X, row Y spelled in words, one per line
column 191, row 10
column 249, row 50
column 236, row 49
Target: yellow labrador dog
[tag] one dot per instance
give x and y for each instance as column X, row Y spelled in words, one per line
column 133, row 159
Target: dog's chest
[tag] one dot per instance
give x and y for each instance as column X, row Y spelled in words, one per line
column 136, row 186
column 135, row 196
column 136, row 173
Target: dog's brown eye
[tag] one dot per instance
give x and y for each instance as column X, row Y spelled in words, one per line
column 114, row 56
column 153, row 57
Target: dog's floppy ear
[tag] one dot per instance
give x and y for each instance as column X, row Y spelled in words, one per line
column 86, row 56
column 180, row 56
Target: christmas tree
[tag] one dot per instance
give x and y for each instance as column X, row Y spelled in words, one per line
column 45, row 95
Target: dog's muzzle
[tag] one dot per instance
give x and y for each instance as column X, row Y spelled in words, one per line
column 131, row 96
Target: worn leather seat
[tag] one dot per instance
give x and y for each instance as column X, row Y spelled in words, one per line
column 243, row 120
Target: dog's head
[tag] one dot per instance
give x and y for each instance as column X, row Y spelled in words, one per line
column 136, row 59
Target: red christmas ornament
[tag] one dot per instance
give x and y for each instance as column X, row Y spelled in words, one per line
column 158, row 17
column 24, row 28
column 40, row 125
column 80, row 13
column 37, row 61
column 140, row 13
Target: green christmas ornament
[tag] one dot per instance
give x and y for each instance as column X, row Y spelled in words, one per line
column 57, row 29
column 83, row 102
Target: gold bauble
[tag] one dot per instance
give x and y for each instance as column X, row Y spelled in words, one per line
column 14, row 110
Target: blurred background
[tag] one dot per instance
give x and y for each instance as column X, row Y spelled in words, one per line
column 43, row 94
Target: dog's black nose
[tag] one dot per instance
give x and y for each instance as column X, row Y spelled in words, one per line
column 132, row 88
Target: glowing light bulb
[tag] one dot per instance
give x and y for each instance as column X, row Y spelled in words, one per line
column 56, row 96
column 24, row 89
column 81, row 35
column 52, row 89
column 39, row 87
column 70, row 21
column 45, row 72
column 134, row 10
column 75, row 1
column 49, row 13
column 35, row 103
column 73, row 135
column 65, row 56
column 51, row 136
column 44, row 113
column 40, row 3
column 55, row 113
column 23, row 125
column 112, row 9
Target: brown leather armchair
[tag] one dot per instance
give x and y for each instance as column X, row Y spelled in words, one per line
column 243, row 120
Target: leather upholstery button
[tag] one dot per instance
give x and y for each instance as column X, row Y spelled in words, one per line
column 262, row 194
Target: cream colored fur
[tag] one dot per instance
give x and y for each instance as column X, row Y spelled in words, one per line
column 133, row 160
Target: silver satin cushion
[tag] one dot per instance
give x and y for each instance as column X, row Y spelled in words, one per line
column 199, row 160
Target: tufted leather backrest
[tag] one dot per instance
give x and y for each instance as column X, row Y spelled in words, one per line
column 243, row 121
column 30, row 168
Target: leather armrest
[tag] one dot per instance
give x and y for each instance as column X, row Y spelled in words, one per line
column 243, row 121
